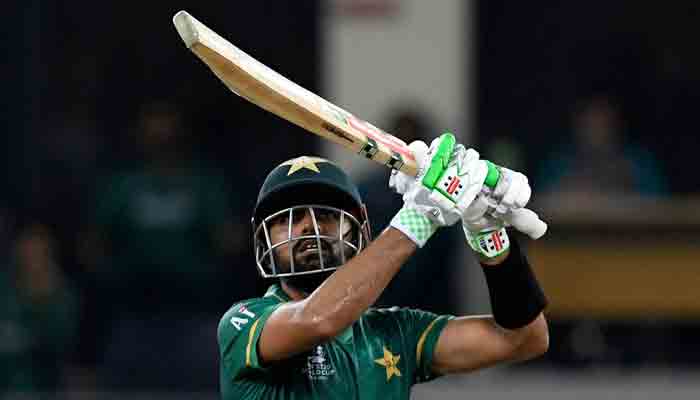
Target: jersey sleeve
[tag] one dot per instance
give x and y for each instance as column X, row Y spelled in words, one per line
column 238, row 335
column 421, row 330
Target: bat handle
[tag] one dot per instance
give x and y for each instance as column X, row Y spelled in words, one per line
column 523, row 219
column 527, row 222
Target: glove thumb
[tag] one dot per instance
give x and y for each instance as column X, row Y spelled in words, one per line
column 401, row 182
column 419, row 150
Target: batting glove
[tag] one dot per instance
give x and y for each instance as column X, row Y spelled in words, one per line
column 450, row 178
column 484, row 222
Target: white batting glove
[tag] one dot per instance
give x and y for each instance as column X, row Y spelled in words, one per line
column 485, row 233
column 437, row 196
column 400, row 182
column 464, row 167
column 511, row 193
column 484, row 222
column 463, row 179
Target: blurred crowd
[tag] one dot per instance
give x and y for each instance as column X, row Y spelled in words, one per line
column 119, row 273
column 594, row 156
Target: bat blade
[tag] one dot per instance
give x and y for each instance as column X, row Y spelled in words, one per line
column 259, row 84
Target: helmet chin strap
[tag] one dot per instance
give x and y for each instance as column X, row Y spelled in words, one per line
column 307, row 283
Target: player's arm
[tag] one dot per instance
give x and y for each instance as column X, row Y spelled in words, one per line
column 517, row 330
column 345, row 295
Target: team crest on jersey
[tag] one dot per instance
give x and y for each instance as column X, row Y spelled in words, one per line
column 318, row 366
column 391, row 363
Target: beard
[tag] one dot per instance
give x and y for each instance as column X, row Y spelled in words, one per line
column 330, row 251
column 312, row 261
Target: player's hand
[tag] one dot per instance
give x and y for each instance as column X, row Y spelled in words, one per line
column 464, row 171
column 484, row 232
column 400, row 182
column 450, row 178
column 511, row 193
column 493, row 210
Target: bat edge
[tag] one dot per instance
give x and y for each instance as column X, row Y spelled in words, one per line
column 185, row 24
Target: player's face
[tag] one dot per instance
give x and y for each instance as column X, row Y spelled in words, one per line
column 306, row 252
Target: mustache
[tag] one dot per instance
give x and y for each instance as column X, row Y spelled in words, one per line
column 325, row 244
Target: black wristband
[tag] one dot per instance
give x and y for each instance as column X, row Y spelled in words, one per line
column 516, row 296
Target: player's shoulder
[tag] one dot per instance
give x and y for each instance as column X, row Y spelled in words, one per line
column 245, row 309
column 242, row 314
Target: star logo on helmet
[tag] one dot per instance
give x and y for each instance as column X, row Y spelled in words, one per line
column 304, row 162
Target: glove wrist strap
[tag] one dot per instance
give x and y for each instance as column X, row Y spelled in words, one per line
column 414, row 224
column 490, row 243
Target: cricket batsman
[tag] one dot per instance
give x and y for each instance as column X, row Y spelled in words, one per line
column 314, row 335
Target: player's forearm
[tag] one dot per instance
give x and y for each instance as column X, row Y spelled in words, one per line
column 517, row 299
column 517, row 330
column 355, row 286
column 532, row 339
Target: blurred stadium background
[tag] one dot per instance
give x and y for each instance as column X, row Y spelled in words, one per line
column 131, row 172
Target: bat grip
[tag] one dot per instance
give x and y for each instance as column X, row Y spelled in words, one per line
column 527, row 222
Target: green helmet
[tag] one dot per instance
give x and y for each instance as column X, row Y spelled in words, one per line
column 316, row 186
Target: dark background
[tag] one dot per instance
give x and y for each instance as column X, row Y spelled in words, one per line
column 100, row 62
column 535, row 61
column 108, row 60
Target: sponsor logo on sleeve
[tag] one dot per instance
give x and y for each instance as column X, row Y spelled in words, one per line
column 238, row 320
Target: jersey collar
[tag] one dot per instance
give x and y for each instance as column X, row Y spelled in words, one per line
column 277, row 292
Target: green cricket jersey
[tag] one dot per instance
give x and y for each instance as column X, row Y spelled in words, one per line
column 380, row 356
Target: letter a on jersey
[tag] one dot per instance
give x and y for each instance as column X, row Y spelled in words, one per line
column 238, row 322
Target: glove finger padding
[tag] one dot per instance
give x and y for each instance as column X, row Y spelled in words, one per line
column 461, row 182
column 478, row 226
column 476, row 210
column 512, row 192
column 399, row 182
column 476, row 218
column 519, row 193
column 485, row 220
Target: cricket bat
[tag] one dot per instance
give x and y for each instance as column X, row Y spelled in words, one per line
column 257, row 83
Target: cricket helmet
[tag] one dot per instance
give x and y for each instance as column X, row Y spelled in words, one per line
column 316, row 186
